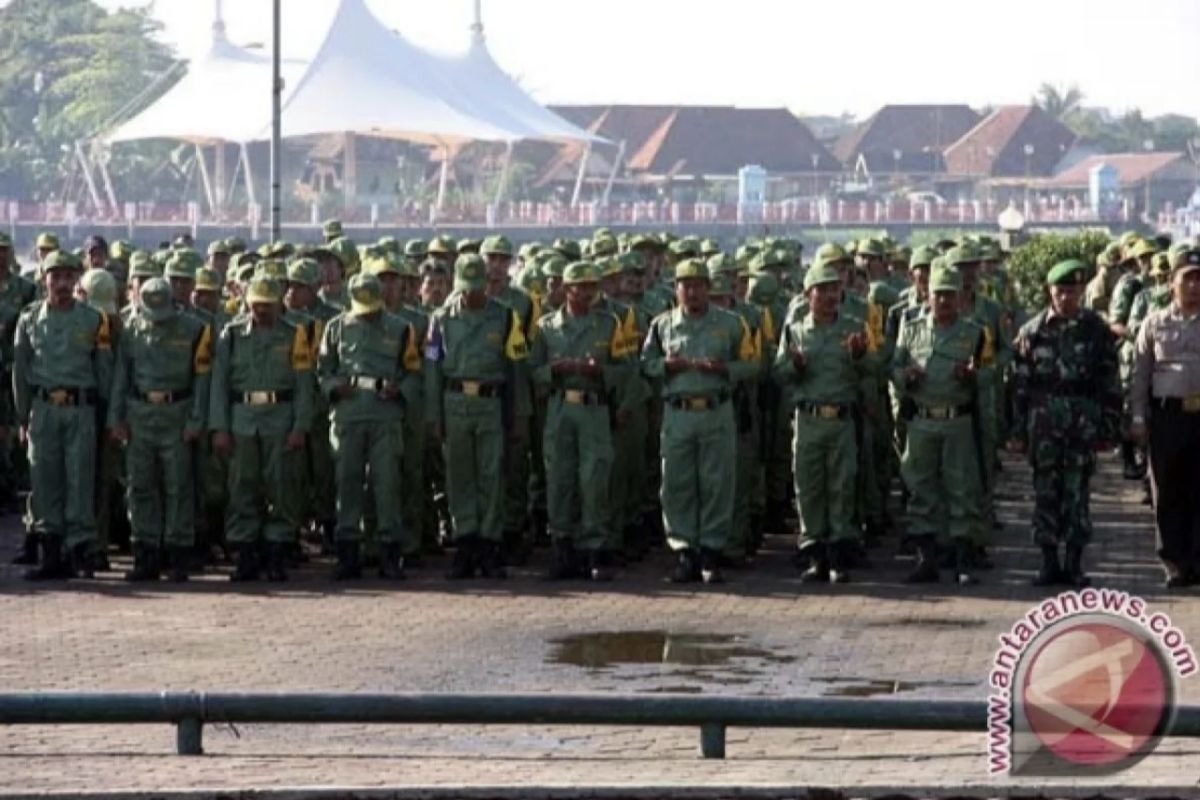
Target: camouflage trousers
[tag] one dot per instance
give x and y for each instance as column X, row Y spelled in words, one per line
column 1062, row 473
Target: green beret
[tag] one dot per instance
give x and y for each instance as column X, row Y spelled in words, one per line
column 691, row 268
column 818, row 274
column 1067, row 273
column 945, row 279
column 581, row 272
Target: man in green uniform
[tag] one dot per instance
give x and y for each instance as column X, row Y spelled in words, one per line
column 581, row 355
column 365, row 354
column 15, row 294
column 935, row 369
column 1139, row 256
column 822, row 359
column 700, row 353
column 331, row 230
column 1066, row 407
column 1100, row 287
column 261, row 407
column 62, row 368
column 159, row 410
column 211, row 471
column 476, row 389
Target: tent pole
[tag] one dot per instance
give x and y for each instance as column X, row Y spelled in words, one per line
column 102, row 168
column 88, row 178
column 587, row 151
column 508, row 151
column 250, row 198
column 612, row 175
column 441, row 195
column 276, row 114
column 205, row 181
column 219, row 170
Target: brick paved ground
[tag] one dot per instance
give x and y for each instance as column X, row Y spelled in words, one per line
column 872, row 636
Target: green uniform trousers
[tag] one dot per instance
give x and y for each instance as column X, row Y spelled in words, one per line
column 416, row 523
column 62, row 468
column 263, row 501
column 941, row 470
column 367, row 451
column 578, row 446
column 161, row 489
column 628, row 473
column 745, row 480
column 825, row 466
column 321, row 472
column 474, row 453
column 698, row 452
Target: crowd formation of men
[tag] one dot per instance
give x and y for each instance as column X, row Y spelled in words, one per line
column 602, row 397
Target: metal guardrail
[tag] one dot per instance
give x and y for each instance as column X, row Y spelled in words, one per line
column 190, row 711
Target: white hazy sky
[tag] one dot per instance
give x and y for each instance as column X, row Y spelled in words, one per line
column 813, row 56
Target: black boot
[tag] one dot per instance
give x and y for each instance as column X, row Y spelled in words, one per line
column 83, row 561
column 27, row 556
column 541, row 536
column 818, row 565
column 599, row 566
column 277, row 553
column 775, row 520
column 687, row 567
column 565, row 565
column 145, row 564
column 328, row 537
column 840, row 555
column 491, row 561
column 54, row 567
column 963, row 556
column 1073, row 567
column 391, row 562
column 247, row 567
column 1050, row 573
column 463, row 565
column 349, row 567
column 1130, row 469
column 755, row 542
column 179, row 559
column 515, row 551
column 926, row 570
column 710, row 566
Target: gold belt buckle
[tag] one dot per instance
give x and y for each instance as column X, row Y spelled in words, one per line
column 59, row 397
column 574, row 396
column 260, row 398
column 1191, row 403
column 697, row 403
column 938, row 412
column 828, row 412
column 158, row 398
column 471, row 388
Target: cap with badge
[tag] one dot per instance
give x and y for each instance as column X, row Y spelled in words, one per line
column 366, row 294
column 155, row 300
column 441, row 245
column 263, row 289
column 721, row 284
column 470, row 274
column 1071, row 272
column 143, row 265
column 496, row 246
column 821, row 273
column 922, row 256
column 47, row 241
column 945, row 278
column 332, row 229
column 581, row 272
column 60, row 260
column 722, row 263
column 965, row 254
column 207, row 280
column 691, row 268
column 1186, row 261
column 304, row 271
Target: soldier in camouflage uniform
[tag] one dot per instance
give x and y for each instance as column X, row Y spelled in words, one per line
column 1066, row 406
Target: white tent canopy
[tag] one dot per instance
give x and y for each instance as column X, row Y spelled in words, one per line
column 363, row 79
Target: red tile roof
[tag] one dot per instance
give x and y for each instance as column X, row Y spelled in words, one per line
column 919, row 132
column 1132, row 169
column 996, row 146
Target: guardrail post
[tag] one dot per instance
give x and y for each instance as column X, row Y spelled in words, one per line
column 189, row 737
column 712, row 740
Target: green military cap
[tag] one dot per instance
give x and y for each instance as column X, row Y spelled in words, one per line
column 581, row 272
column 569, row 249
column 602, row 231
column 470, row 274
column 1110, row 256
column 824, row 272
column 101, row 289
column 529, row 250
column 631, row 262
column 366, row 294
column 965, row 253
column 989, row 251
column 120, row 250
column 608, row 266
column 388, row 244
column 722, row 263
column 244, row 272
column 431, row 266
column 604, row 246
column 642, row 241
column 1127, row 247
column 60, row 260
column 156, row 300
column 263, row 289
column 264, row 250
column 871, row 248
column 207, row 280
column 830, row 253
column 746, row 252
column 922, row 256
column 332, row 229
column 899, row 255
column 1143, row 247
column 1067, row 273
column 141, row 265
column 281, row 250
column 1127, row 238
column 416, row 248
column 468, row 246
column 441, row 245
column 345, row 252
column 5, row 240
column 764, row 288
column 1160, row 265
column 236, row 245
column 47, row 241
column 691, row 268
column 180, row 266
column 685, row 248
column 770, row 258
column 1186, row 260
column 945, row 279
column 720, row 284
column 945, row 244
column 496, row 245
column 381, row 265
column 272, row 268
column 553, row 265
column 218, row 248
column 304, row 271
column 709, row 247
column 530, row 279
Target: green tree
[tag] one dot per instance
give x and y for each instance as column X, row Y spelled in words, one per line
column 1056, row 101
column 1030, row 262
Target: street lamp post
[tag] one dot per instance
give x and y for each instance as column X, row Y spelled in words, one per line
column 816, row 160
column 896, row 167
column 276, row 126
column 1028, row 167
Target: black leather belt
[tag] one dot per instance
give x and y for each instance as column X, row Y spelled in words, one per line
column 262, row 398
column 582, row 397
column 1180, row 405
column 163, row 398
column 943, row 412
column 697, row 402
column 68, row 396
column 824, row 410
column 474, row 388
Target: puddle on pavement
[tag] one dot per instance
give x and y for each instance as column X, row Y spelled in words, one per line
column 873, row 687
column 617, row 648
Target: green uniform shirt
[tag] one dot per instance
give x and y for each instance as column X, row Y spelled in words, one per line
column 68, row 348
column 253, row 359
column 716, row 334
column 379, row 346
column 175, row 356
column 938, row 350
column 830, row 374
column 599, row 334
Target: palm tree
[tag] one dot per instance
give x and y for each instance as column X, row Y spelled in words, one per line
column 1057, row 102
